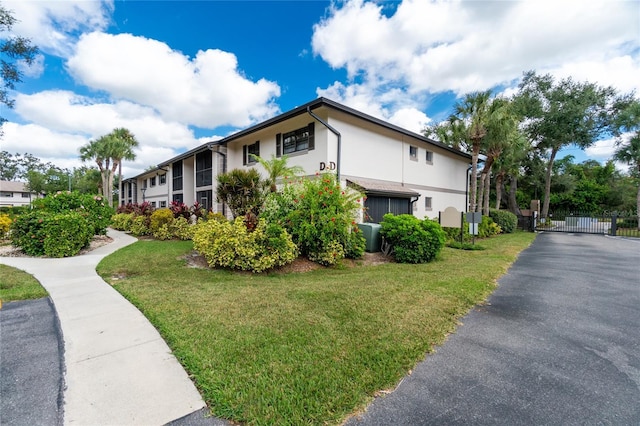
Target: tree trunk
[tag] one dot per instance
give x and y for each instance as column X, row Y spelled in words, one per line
column 483, row 176
column 512, row 201
column 487, row 193
column 474, row 175
column 499, row 187
column 638, row 201
column 547, row 184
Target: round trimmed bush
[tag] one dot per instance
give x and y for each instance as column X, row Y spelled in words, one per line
column 506, row 220
column 232, row 245
column 413, row 240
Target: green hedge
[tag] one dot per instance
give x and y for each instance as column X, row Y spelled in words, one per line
column 413, row 240
column 42, row 233
column 506, row 220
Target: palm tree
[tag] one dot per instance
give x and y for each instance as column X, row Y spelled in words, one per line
column 629, row 153
column 108, row 151
column 124, row 142
column 99, row 150
column 277, row 168
column 474, row 111
column 242, row 190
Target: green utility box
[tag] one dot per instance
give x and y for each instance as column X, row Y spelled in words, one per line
column 371, row 233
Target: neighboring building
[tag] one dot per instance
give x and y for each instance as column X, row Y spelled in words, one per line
column 150, row 186
column 398, row 170
column 15, row 194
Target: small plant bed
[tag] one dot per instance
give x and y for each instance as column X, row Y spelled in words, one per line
column 465, row 246
column 307, row 347
column 18, row 285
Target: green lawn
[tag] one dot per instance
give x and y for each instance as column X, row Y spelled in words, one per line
column 303, row 348
column 18, row 285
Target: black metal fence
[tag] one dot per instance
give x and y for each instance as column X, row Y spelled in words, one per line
column 608, row 223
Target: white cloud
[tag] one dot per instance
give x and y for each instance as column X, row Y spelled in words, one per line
column 429, row 47
column 207, row 91
column 602, row 150
column 40, row 141
column 33, row 70
column 53, row 26
column 410, row 119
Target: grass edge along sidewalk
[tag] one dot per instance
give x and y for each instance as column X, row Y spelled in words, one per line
column 18, row 285
column 308, row 347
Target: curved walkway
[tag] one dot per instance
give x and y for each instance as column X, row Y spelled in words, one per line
column 118, row 368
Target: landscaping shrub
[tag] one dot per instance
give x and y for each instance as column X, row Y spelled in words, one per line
column 413, row 240
column 27, row 232
column 627, row 222
column 13, row 211
column 140, row 225
column 243, row 191
column 180, row 210
column 122, row 221
column 52, row 234
column 232, row 245
column 216, row 216
column 319, row 215
column 66, row 234
column 506, row 220
column 94, row 208
column 181, row 228
column 488, row 228
column 159, row 218
column 5, row 225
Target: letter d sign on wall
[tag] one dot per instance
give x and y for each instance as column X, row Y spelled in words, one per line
column 322, row 166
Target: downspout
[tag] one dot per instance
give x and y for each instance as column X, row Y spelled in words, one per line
column 335, row 132
column 412, row 202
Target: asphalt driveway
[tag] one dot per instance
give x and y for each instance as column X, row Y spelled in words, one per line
column 558, row 343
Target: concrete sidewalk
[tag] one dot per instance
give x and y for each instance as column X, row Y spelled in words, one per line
column 118, row 368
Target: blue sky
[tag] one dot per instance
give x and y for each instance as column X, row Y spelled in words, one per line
column 179, row 73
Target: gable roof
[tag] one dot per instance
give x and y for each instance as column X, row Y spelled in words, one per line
column 315, row 104
column 12, row 186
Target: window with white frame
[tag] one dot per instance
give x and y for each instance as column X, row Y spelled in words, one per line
column 413, row 153
column 163, row 178
column 152, row 181
column 428, row 203
column 163, row 204
column 429, row 157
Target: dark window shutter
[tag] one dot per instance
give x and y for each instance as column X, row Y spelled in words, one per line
column 279, row 145
column 312, row 143
column 244, row 155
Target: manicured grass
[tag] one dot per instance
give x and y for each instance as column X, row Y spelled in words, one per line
column 303, row 348
column 18, row 285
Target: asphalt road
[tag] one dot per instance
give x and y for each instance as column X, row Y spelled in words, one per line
column 558, row 343
column 31, row 364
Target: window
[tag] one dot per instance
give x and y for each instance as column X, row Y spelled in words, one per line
column 413, row 153
column 250, row 149
column 178, row 198
column 153, row 204
column 152, row 181
column 427, row 203
column 163, row 204
column 6, row 194
column 204, row 176
column 25, row 195
column 163, row 179
column 177, row 175
column 300, row 140
column 205, row 198
column 144, row 183
column 429, row 157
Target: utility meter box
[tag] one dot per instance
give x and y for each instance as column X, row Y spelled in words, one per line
column 372, row 237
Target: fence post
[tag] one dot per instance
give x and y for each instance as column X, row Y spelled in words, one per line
column 614, row 223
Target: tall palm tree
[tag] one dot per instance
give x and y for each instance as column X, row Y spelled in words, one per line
column 98, row 150
column 277, row 168
column 474, row 111
column 124, row 142
column 108, row 151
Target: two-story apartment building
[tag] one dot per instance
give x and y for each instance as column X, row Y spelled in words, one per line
column 15, row 194
column 399, row 171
